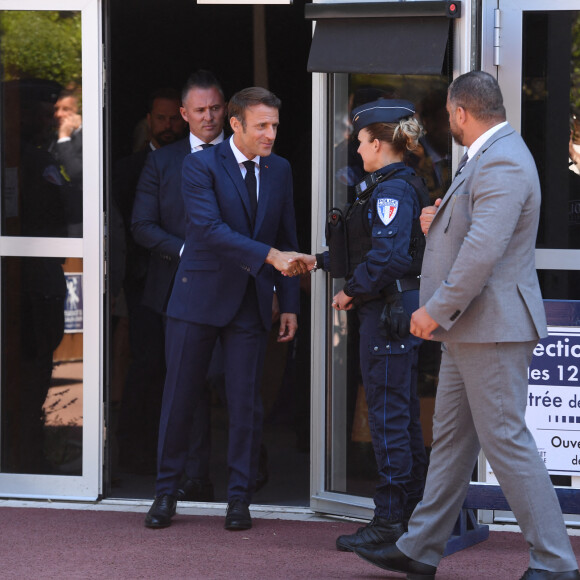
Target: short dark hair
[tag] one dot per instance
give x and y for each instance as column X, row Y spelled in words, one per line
column 479, row 93
column 251, row 97
column 200, row 79
column 168, row 93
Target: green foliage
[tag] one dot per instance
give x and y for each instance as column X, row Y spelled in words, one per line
column 41, row 44
column 575, row 65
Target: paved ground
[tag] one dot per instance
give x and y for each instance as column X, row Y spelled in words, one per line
column 69, row 542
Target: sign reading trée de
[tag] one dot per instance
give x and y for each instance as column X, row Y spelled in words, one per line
column 553, row 405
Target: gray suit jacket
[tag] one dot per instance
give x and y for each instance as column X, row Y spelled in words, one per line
column 479, row 280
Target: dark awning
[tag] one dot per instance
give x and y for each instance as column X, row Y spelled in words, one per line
column 393, row 37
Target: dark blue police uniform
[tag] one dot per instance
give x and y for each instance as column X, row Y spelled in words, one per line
column 388, row 365
column 384, row 252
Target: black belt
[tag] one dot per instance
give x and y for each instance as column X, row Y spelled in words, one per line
column 402, row 285
column 395, row 287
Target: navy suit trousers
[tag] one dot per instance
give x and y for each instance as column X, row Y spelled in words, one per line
column 189, row 348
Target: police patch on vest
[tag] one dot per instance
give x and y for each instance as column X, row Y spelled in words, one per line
column 387, row 209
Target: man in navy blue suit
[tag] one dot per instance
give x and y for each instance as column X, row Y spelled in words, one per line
column 240, row 236
column 158, row 224
column 158, row 221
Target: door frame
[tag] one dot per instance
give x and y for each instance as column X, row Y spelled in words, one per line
column 90, row 248
column 322, row 500
column 509, row 75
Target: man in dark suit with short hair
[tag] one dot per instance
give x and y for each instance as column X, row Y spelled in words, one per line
column 240, row 237
column 158, row 224
column 141, row 399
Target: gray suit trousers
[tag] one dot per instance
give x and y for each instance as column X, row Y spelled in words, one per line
column 481, row 400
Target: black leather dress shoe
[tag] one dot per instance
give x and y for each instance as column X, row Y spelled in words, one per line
column 377, row 531
column 238, row 516
column 535, row 574
column 195, row 490
column 161, row 512
column 389, row 557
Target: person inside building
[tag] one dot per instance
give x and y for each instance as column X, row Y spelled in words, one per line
column 240, row 231
column 68, row 151
column 383, row 262
column 141, row 394
column 35, row 309
column 158, row 224
column 432, row 159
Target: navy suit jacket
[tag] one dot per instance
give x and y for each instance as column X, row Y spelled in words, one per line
column 223, row 249
column 158, row 221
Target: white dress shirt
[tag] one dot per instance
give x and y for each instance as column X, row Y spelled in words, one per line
column 240, row 158
column 196, row 143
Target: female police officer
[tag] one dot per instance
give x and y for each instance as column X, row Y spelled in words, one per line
column 384, row 253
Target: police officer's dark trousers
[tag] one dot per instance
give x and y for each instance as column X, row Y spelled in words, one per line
column 389, row 371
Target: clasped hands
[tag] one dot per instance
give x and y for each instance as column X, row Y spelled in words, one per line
column 340, row 301
column 290, row 263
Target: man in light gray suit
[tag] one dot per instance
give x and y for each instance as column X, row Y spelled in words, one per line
column 480, row 297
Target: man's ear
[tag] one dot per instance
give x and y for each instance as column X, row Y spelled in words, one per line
column 235, row 124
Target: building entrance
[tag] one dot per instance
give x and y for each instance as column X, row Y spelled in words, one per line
column 154, row 46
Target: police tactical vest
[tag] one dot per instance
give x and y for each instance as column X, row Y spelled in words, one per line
column 359, row 220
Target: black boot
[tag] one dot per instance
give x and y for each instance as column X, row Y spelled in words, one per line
column 377, row 531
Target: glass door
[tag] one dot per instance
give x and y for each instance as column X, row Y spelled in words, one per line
column 51, row 279
column 536, row 57
column 537, row 64
column 344, row 471
column 344, row 474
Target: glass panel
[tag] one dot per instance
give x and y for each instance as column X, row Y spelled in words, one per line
column 41, row 124
column 351, row 466
column 551, row 128
column 42, row 365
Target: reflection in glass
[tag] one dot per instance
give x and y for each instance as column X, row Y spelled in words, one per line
column 41, row 124
column 42, row 377
column 351, row 465
column 551, row 129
